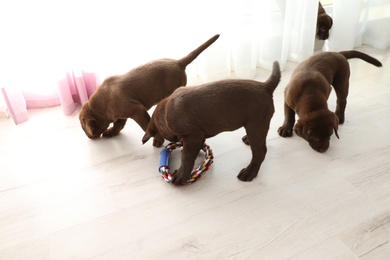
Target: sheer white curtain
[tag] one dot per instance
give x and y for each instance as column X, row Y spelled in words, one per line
column 375, row 28
column 57, row 52
column 260, row 32
column 367, row 22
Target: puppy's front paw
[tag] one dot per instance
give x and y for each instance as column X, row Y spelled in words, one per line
column 158, row 141
column 284, row 131
column 110, row 132
column 341, row 117
column 246, row 175
column 179, row 179
column 245, row 139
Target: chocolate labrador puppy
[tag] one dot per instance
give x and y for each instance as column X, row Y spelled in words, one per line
column 192, row 114
column 324, row 23
column 132, row 94
column 307, row 93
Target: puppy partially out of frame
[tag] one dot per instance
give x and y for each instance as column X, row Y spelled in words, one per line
column 192, row 114
column 132, row 94
column 324, row 23
column 307, row 93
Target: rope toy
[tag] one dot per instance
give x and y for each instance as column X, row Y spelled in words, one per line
column 165, row 155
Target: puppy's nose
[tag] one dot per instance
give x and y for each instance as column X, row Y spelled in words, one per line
column 323, row 149
column 320, row 148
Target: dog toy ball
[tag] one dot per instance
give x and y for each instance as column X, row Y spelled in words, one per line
column 165, row 156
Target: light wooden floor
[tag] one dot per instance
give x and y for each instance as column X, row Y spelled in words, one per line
column 63, row 196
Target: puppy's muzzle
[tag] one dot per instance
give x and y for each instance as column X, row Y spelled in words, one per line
column 321, row 148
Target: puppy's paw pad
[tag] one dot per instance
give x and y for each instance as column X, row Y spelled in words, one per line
column 246, row 175
column 110, row 133
column 158, row 142
column 285, row 132
column 178, row 179
column 341, row 119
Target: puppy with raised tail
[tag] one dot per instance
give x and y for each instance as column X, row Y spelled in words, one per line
column 192, row 114
column 131, row 95
column 307, row 93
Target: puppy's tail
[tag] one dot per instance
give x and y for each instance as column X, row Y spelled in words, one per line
column 192, row 56
column 273, row 80
column 361, row 55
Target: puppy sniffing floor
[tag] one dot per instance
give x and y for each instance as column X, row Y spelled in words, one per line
column 132, row 94
column 192, row 114
column 308, row 91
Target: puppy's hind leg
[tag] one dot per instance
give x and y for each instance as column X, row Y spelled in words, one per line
column 116, row 128
column 286, row 129
column 258, row 146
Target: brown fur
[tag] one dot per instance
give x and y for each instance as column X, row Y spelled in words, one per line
column 193, row 114
column 324, row 23
column 132, row 94
column 307, row 93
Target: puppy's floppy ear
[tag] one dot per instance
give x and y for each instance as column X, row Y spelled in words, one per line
column 90, row 125
column 148, row 134
column 299, row 128
column 330, row 21
column 336, row 126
